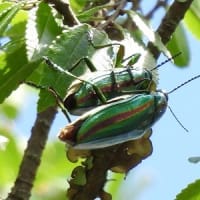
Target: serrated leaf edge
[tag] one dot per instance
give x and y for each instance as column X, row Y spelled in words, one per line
column 188, row 189
column 31, row 35
column 11, row 12
column 148, row 32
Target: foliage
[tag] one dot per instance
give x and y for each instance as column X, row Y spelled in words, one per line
column 191, row 192
column 31, row 30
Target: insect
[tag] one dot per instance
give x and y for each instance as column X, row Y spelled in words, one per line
column 117, row 122
column 102, row 87
column 97, row 88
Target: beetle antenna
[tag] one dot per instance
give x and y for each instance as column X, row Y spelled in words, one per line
column 169, row 59
column 176, row 88
column 186, row 82
column 176, row 118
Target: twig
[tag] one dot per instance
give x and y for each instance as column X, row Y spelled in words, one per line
column 64, row 9
column 96, row 183
column 160, row 3
column 122, row 3
column 32, row 156
column 169, row 23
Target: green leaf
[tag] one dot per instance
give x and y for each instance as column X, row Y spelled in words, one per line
column 7, row 15
column 9, row 110
column 79, row 176
column 89, row 14
column 192, row 19
column 3, row 142
column 50, row 183
column 69, row 46
column 51, row 152
column 17, row 26
column 113, row 187
column 192, row 192
column 148, row 32
column 78, row 5
column 66, row 50
column 14, row 69
column 178, row 43
column 9, row 159
column 5, row 7
column 41, row 31
column 11, row 46
column 47, row 27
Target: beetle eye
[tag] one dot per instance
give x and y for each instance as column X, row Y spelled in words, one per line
column 164, row 93
column 70, row 102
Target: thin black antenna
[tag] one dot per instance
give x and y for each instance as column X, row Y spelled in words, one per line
column 186, row 82
column 176, row 88
column 169, row 59
column 176, row 118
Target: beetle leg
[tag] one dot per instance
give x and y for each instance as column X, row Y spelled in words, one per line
column 100, row 46
column 98, row 91
column 88, row 63
column 59, row 100
column 132, row 59
column 114, row 81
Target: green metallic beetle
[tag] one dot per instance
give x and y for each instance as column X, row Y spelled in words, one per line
column 117, row 122
column 103, row 87
column 83, row 97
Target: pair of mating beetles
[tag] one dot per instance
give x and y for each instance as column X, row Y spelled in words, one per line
column 114, row 106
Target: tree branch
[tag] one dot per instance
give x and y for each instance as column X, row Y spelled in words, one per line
column 96, row 176
column 160, row 3
column 110, row 19
column 32, row 156
column 64, row 9
column 169, row 23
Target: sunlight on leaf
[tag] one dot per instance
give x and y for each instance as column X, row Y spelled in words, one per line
column 192, row 19
column 148, row 32
column 31, row 34
column 3, row 142
column 41, row 30
column 7, row 14
column 179, row 43
column 191, row 192
column 89, row 14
